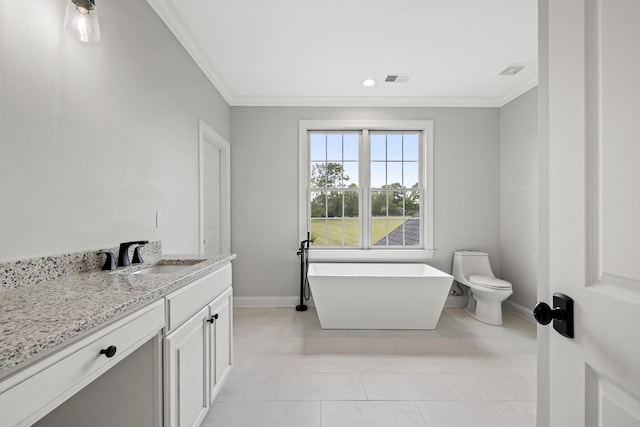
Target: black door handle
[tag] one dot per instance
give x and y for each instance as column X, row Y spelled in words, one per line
column 545, row 314
column 561, row 314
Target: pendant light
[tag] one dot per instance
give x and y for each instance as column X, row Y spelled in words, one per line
column 81, row 19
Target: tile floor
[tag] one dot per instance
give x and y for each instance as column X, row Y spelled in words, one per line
column 291, row 373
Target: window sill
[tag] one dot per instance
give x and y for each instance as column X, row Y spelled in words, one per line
column 360, row 255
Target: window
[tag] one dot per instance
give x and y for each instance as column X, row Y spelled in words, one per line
column 334, row 194
column 396, row 189
column 366, row 189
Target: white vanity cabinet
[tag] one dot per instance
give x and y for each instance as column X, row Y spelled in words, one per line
column 220, row 342
column 161, row 363
column 198, row 351
column 186, row 369
column 35, row 391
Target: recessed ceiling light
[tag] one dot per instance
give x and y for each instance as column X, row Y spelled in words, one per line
column 368, row 82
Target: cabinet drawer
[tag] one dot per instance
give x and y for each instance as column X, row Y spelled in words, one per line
column 183, row 303
column 46, row 384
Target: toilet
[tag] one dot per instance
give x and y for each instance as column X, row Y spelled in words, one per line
column 486, row 292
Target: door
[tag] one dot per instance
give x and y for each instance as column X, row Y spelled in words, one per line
column 214, row 154
column 211, row 166
column 186, row 361
column 590, row 210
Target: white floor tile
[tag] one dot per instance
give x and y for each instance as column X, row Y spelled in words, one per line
column 527, row 408
column 307, row 329
column 371, row 414
column 473, row 414
column 407, row 387
column 248, row 388
column 290, row 372
column 276, row 364
column 427, row 364
column 263, row 414
column 496, row 386
column 320, row 387
column 356, row 363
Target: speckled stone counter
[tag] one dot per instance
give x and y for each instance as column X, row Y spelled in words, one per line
column 38, row 318
column 14, row 274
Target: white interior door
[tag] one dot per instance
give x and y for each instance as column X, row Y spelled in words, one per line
column 215, row 191
column 212, row 203
column 592, row 80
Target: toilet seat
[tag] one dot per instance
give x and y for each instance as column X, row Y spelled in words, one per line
column 490, row 282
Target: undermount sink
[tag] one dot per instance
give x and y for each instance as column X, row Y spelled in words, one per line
column 161, row 268
column 166, row 266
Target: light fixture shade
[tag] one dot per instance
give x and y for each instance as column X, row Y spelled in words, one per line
column 81, row 19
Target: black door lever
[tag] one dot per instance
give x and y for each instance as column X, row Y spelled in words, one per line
column 561, row 314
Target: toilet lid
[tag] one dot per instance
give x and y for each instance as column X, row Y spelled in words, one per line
column 490, row 282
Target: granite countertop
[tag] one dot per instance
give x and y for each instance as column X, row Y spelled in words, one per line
column 37, row 319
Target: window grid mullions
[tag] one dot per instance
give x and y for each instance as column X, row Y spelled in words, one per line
column 365, row 180
column 365, row 191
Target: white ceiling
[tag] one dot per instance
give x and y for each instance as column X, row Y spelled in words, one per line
column 318, row 52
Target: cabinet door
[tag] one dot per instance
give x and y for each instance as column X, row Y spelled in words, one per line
column 186, row 372
column 221, row 341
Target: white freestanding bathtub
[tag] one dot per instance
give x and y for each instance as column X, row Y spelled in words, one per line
column 378, row 296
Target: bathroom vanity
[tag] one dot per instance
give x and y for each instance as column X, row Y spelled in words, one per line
column 118, row 348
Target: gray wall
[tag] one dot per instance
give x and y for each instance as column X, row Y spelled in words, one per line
column 264, row 206
column 95, row 138
column 519, row 197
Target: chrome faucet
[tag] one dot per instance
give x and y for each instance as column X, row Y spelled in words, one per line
column 123, row 253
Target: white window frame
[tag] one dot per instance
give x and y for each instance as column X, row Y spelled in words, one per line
column 426, row 174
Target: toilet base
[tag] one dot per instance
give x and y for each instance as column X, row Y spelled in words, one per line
column 484, row 320
column 486, row 311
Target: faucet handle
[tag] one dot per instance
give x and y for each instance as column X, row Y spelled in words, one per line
column 123, row 252
column 110, row 262
column 137, row 255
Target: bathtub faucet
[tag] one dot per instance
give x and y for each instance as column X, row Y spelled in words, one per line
column 304, row 245
column 304, row 264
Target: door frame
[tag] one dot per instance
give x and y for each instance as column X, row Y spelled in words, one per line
column 543, row 357
column 206, row 135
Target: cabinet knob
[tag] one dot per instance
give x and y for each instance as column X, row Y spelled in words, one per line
column 109, row 351
column 213, row 318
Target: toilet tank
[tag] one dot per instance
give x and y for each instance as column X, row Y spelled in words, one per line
column 470, row 263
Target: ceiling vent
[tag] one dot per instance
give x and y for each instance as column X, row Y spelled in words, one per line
column 396, row 78
column 512, row 69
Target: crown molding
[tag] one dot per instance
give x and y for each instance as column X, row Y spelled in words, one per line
column 172, row 19
column 517, row 91
column 361, row 101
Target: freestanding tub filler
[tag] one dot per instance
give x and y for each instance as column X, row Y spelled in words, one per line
column 378, row 296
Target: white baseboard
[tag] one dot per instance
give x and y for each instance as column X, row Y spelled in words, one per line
column 519, row 310
column 251, row 302
column 292, row 301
